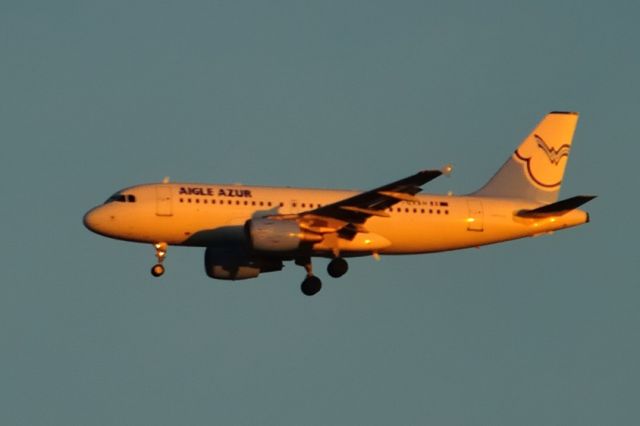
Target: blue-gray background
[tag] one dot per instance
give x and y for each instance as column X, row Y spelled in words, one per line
column 96, row 96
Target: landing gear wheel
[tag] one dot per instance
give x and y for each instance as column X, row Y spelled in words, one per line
column 311, row 285
column 157, row 270
column 337, row 267
column 161, row 252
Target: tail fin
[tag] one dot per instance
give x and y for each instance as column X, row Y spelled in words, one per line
column 534, row 171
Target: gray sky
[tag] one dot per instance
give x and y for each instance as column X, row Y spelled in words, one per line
column 96, row 96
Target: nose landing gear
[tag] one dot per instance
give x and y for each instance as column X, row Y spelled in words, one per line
column 157, row 270
column 161, row 252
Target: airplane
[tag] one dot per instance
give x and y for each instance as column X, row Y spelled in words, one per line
column 249, row 230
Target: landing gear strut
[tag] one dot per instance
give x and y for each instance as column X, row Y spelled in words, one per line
column 311, row 284
column 337, row 267
column 161, row 252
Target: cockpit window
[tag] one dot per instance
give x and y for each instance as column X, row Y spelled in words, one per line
column 121, row 198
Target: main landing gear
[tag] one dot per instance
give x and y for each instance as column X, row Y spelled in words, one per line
column 161, row 252
column 312, row 284
column 337, row 267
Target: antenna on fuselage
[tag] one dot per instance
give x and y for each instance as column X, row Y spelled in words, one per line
column 165, row 179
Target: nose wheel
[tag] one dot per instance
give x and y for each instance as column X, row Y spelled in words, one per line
column 311, row 284
column 157, row 270
column 161, row 252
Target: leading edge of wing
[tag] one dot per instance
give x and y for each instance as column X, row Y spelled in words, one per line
column 360, row 207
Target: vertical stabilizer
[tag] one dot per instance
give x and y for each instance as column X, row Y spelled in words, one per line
column 534, row 171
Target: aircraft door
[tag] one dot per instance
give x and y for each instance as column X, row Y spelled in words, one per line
column 163, row 200
column 475, row 220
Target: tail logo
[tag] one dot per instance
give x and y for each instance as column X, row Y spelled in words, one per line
column 554, row 155
column 544, row 162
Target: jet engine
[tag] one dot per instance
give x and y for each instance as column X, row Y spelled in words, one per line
column 271, row 235
column 235, row 264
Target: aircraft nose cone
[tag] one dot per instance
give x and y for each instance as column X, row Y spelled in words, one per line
column 102, row 221
column 90, row 220
column 98, row 220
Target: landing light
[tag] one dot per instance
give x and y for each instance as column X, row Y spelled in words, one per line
column 471, row 220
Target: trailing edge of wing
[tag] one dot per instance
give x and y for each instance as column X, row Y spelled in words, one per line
column 370, row 212
column 556, row 209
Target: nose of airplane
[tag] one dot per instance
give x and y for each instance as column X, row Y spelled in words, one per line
column 90, row 220
column 96, row 220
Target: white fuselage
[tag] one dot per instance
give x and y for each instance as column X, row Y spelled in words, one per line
column 193, row 214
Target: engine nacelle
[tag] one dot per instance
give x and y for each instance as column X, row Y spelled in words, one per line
column 269, row 235
column 235, row 264
column 232, row 272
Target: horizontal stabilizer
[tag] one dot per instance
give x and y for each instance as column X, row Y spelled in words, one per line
column 557, row 209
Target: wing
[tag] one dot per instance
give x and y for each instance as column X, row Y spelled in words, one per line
column 349, row 214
